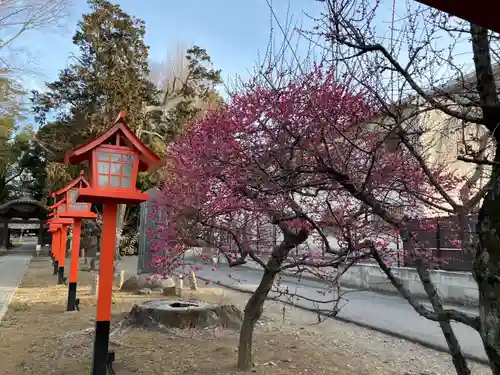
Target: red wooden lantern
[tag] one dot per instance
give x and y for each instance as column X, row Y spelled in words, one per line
column 60, row 237
column 55, row 230
column 76, row 211
column 55, row 233
column 63, row 236
column 70, row 207
column 57, row 207
column 115, row 158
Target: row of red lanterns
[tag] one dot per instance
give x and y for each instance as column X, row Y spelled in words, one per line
column 115, row 159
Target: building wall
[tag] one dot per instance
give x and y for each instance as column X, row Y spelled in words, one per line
column 439, row 138
column 444, row 139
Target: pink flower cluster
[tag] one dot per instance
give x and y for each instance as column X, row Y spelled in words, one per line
column 294, row 159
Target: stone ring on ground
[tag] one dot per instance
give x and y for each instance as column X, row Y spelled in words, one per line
column 161, row 314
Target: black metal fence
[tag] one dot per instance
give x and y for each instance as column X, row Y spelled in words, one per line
column 441, row 237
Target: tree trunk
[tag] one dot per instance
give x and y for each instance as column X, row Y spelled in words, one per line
column 255, row 305
column 457, row 355
column 486, row 270
column 252, row 313
column 456, row 352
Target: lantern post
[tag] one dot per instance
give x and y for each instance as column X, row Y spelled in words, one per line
column 115, row 158
column 55, row 233
column 51, row 230
column 51, row 253
column 54, row 229
column 77, row 212
column 61, row 236
column 64, row 224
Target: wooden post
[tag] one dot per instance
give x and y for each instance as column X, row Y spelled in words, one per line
column 180, row 285
column 95, row 284
column 120, row 278
column 40, row 234
column 62, row 254
column 192, row 281
column 73, row 271
column 104, row 296
column 6, row 233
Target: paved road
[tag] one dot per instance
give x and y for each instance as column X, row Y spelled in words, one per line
column 384, row 312
column 12, row 269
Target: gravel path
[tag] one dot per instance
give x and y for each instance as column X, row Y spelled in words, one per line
column 375, row 349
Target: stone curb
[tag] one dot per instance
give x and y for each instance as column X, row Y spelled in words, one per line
column 427, row 344
column 354, row 287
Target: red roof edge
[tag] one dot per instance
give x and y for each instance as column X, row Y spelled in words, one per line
column 79, row 154
column 72, row 184
column 57, row 204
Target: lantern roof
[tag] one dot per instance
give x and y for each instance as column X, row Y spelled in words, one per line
column 57, row 204
column 120, row 126
column 476, row 12
column 77, row 182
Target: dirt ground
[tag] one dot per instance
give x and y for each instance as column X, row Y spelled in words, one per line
column 37, row 336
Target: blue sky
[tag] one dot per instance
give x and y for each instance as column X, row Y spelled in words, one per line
column 232, row 32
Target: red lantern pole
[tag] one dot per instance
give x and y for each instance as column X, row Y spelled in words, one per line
column 70, row 211
column 115, row 157
column 62, row 253
column 51, row 250
column 73, row 271
column 56, row 244
column 106, row 273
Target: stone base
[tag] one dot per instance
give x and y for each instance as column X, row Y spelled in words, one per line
column 136, row 283
column 161, row 314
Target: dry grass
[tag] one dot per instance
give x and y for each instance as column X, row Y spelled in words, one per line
column 38, row 337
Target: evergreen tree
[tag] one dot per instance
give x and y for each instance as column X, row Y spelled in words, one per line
column 18, row 163
column 109, row 75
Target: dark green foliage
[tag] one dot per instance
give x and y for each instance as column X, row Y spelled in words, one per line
column 20, row 166
column 109, row 75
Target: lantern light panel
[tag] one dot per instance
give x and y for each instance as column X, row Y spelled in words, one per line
column 115, row 167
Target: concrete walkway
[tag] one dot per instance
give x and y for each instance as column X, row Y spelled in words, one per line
column 13, row 266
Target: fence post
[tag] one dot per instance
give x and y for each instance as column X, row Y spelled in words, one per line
column 438, row 239
column 398, row 251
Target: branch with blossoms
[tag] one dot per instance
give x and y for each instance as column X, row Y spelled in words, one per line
column 245, row 160
column 297, row 158
column 282, row 154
